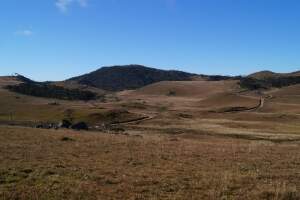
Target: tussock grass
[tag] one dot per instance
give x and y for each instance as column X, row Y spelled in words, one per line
column 37, row 164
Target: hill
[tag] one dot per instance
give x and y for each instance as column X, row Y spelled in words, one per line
column 268, row 79
column 297, row 73
column 186, row 88
column 117, row 78
column 153, row 138
column 269, row 74
column 263, row 75
column 23, row 85
column 8, row 80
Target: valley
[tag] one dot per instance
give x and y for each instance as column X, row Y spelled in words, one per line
column 171, row 139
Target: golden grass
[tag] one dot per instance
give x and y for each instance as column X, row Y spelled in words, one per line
column 186, row 88
column 183, row 152
column 43, row 164
column 22, row 108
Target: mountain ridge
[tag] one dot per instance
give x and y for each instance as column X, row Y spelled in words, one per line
column 130, row 77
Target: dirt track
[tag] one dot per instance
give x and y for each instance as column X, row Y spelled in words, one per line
column 245, row 109
column 137, row 120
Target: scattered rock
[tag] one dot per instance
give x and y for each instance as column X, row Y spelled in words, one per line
column 110, row 128
column 80, row 126
column 65, row 124
column 46, row 125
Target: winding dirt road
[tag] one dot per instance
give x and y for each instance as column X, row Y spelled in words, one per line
column 137, row 120
column 255, row 108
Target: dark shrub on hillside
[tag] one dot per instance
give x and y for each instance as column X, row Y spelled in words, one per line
column 80, row 126
column 254, row 84
column 220, row 77
column 65, row 124
column 223, row 78
column 119, row 78
column 52, row 91
column 171, row 93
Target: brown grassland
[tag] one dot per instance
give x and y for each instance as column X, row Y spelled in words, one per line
column 204, row 140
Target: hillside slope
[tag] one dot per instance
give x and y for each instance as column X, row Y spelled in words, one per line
column 119, row 78
column 22, row 85
column 187, row 88
column 268, row 79
column 270, row 74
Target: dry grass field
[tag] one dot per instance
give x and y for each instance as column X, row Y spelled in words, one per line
column 187, row 88
column 196, row 140
column 49, row 164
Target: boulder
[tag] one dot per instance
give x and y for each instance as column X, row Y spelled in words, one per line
column 45, row 125
column 80, row 126
column 65, row 124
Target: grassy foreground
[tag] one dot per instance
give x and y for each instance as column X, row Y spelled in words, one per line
column 49, row 164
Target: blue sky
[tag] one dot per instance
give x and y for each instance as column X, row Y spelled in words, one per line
column 58, row 39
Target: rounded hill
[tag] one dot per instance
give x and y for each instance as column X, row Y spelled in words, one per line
column 118, row 78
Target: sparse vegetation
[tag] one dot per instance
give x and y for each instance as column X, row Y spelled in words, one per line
column 117, row 78
column 210, row 142
column 80, row 126
column 267, row 83
column 171, row 93
column 162, row 108
column 51, row 91
column 66, row 139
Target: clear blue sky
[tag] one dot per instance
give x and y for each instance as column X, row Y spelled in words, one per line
column 57, row 39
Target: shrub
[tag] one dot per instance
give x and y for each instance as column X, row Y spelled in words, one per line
column 254, row 84
column 52, row 91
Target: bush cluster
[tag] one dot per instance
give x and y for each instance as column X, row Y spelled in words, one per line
column 52, row 91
